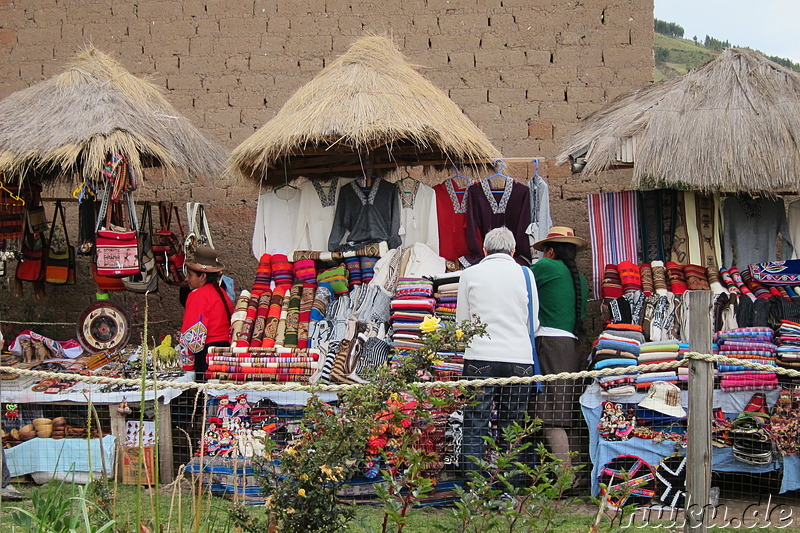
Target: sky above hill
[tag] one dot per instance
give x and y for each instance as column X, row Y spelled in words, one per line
column 766, row 25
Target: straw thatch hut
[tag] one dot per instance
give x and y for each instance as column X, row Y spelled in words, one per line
column 68, row 124
column 369, row 107
column 730, row 125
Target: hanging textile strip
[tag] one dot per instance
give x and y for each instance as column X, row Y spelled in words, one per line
column 306, row 301
column 613, row 230
column 257, row 337
column 280, row 336
column 293, row 316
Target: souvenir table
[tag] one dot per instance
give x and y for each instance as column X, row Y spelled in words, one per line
column 35, row 455
column 601, row 451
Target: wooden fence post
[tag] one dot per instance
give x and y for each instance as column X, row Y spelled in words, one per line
column 696, row 316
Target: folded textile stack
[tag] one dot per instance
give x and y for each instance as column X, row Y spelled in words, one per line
column 617, row 347
column 653, row 353
column 445, row 290
column 412, row 302
column 788, row 341
column 749, row 345
column 262, row 364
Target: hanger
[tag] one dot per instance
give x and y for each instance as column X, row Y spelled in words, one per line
column 11, row 194
column 498, row 174
column 535, row 168
column 458, row 175
column 285, row 184
column 407, row 177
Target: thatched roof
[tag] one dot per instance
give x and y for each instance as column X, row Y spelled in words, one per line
column 732, row 124
column 69, row 123
column 369, row 103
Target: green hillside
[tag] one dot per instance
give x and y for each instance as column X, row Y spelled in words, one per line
column 675, row 56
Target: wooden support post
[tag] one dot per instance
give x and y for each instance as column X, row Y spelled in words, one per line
column 696, row 314
column 118, row 430
column 165, row 442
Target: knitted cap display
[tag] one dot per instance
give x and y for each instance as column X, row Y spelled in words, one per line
column 281, row 270
column 263, row 273
column 336, row 277
column 629, row 276
column 611, row 286
column 305, row 270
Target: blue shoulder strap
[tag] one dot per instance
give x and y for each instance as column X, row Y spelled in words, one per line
column 536, row 368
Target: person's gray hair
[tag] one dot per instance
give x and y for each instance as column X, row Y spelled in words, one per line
column 500, row 240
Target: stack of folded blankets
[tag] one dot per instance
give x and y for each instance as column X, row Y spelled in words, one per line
column 788, row 341
column 617, row 347
column 261, row 364
column 412, row 302
column 683, row 371
column 653, row 353
column 749, row 345
column 445, row 290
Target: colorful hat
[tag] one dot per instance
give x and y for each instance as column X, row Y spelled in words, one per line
column 205, row 260
column 561, row 234
column 665, row 398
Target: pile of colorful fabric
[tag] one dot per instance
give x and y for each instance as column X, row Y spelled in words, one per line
column 656, row 278
column 261, row 364
column 412, row 302
column 653, row 353
column 446, row 293
column 788, row 341
column 617, row 347
column 749, row 345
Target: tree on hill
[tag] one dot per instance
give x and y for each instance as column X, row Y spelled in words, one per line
column 667, row 28
column 716, row 44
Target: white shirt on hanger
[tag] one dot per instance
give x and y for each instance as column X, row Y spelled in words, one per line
column 418, row 215
column 276, row 220
column 316, row 212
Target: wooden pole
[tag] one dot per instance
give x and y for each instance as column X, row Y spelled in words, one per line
column 696, row 315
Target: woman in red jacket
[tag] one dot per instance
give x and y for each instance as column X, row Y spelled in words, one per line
column 208, row 304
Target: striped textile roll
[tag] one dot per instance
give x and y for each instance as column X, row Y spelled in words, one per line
column 247, row 327
column 239, row 314
column 275, row 306
column 261, row 319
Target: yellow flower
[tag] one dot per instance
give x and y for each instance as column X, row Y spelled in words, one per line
column 430, row 324
column 268, row 501
column 302, row 492
column 304, row 477
column 459, row 334
column 290, row 510
column 290, row 451
column 328, row 472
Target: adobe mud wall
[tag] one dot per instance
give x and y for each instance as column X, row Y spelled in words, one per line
column 525, row 71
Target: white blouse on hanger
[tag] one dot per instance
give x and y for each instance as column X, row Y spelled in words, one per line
column 276, row 219
column 418, row 215
column 316, row 213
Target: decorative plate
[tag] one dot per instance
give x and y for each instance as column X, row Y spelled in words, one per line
column 103, row 326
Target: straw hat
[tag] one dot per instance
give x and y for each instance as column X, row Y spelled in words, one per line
column 205, row 260
column 561, row 234
column 665, row 398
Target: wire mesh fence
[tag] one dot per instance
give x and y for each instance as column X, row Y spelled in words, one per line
column 626, row 440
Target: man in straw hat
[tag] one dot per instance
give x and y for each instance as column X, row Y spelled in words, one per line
column 562, row 294
column 495, row 290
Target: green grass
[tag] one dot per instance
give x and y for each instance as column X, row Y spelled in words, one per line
column 681, row 56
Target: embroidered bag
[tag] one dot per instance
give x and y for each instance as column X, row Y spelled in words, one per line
column 34, row 250
column 116, row 245
column 199, row 233
column 60, row 268
column 168, row 247
column 146, row 280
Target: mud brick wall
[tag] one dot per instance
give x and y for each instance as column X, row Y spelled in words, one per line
column 525, row 71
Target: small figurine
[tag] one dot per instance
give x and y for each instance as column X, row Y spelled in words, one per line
column 27, row 350
column 123, row 408
column 11, row 411
column 43, row 353
column 242, row 408
column 224, row 409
